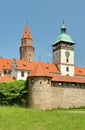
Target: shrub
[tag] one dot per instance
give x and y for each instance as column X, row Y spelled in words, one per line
column 13, row 93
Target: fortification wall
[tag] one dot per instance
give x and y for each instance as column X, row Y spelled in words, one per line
column 49, row 96
column 67, row 96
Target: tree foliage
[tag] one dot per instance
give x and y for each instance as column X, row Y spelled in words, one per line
column 13, row 93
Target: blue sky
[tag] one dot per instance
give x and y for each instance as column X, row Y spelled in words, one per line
column 44, row 18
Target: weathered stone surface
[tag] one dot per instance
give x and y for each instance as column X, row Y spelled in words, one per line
column 46, row 96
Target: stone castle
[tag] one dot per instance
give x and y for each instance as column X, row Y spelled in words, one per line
column 57, row 85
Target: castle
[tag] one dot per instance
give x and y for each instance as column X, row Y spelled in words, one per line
column 57, row 85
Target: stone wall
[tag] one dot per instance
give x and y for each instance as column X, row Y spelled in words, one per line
column 68, row 96
column 54, row 95
column 27, row 53
column 39, row 93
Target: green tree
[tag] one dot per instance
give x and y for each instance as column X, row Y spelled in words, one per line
column 13, row 93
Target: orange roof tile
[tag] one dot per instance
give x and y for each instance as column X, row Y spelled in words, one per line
column 6, row 79
column 71, row 79
column 25, row 65
column 52, row 68
column 27, row 33
column 40, row 70
column 79, row 71
column 1, row 70
column 5, row 64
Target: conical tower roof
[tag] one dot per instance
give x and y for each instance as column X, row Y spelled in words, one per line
column 27, row 33
column 39, row 70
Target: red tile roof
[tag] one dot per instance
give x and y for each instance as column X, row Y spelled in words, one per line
column 71, row 79
column 6, row 79
column 52, row 68
column 40, row 70
column 25, row 65
column 79, row 71
column 27, row 33
column 1, row 70
column 5, row 64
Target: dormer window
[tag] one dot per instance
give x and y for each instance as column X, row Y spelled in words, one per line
column 5, row 72
column 24, row 65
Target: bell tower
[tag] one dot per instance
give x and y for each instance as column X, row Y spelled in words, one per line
column 63, row 53
column 26, row 48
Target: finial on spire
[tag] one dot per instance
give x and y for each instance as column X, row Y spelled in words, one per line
column 27, row 22
column 63, row 21
column 63, row 28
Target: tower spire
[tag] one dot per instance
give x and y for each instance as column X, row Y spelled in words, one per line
column 27, row 34
column 26, row 48
column 63, row 28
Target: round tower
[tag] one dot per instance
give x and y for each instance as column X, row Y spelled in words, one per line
column 26, row 48
column 39, row 87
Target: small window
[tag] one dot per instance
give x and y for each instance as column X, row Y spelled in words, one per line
column 59, row 83
column 9, row 72
column 53, row 84
column 24, row 65
column 32, row 81
column 67, row 60
column 5, row 72
column 67, row 69
column 40, row 82
column 47, row 67
column 22, row 74
column 73, row 84
column 48, row 81
column 80, row 71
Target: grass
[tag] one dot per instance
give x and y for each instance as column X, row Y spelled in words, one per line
column 15, row 118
